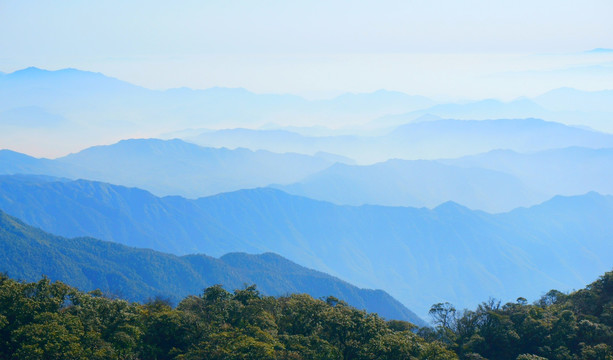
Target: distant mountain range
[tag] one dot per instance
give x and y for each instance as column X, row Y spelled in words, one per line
column 573, row 100
column 173, row 167
column 416, row 183
column 68, row 88
column 496, row 181
column 67, row 110
column 458, row 255
column 565, row 105
column 434, row 139
column 473, row 110
column 568, row 171
column 383, row 148
column 135, row 274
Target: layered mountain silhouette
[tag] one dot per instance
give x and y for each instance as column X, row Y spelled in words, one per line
column 567, row 171
column 434, row 139
column 416, row 183
column 28, row 253
column 458, row 255
column 172, row 167
column 495, row 181
column 96, row 109
column 475, row 110
column 69, row 109
column 455, row 253
column 569, row 99
column 565, row 105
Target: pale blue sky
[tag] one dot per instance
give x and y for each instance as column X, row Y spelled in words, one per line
column 311, row 47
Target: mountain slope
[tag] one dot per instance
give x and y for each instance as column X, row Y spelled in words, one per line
column 139, row 274
column 569, row 99
column 566, row 105
column 459, row 255
column 416, row 183
column 452, row 138
column 66, row 110
column 433, row 139
column 583, row 169
column 477, row 110
column 171, row 167
column 12, row 162
column 98, row 109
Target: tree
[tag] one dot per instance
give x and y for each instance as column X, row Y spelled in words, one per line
column 443, row 314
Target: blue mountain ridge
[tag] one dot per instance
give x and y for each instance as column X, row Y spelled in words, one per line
column 457, row 254
column 490, row 181
column 141, row 274
column 172, row 167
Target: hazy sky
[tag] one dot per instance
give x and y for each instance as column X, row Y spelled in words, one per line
column 314, row 48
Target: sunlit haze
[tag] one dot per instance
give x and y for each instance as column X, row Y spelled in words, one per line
column 443, row 49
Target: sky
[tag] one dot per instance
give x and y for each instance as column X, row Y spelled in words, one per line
column 439, row 48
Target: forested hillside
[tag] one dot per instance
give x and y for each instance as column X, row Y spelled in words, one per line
column 45, row 320
column 559, row 326
column 456, row 254
column 135, row 274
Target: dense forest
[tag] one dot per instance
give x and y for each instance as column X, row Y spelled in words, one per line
column 45, row 320
column 139, row 274
column 558, row 326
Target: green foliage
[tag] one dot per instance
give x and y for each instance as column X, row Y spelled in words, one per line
column 558, row 326
column 45, row 320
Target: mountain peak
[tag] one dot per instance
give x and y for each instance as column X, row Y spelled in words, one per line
column 29, row 71
column 585, row 202
column 451, row 207
column 75, row 80
column 33, row 70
